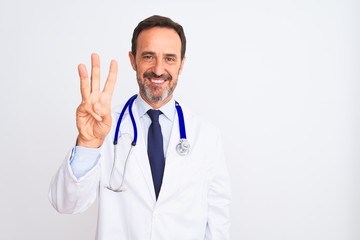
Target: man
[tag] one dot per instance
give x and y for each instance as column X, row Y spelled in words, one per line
column 147, row 188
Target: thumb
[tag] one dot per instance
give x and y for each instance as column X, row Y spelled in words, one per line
column 97, row 112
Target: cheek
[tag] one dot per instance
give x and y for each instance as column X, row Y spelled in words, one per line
column 175, row 72
column 141, row 69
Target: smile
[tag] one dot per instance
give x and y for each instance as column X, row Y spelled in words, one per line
column 157, row 81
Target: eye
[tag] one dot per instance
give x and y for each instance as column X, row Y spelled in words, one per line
column 170, row 59
column 148, row 58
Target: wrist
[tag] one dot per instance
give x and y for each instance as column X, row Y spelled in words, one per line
column 89, row 143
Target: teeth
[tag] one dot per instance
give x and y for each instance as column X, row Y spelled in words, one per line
column 157, row 80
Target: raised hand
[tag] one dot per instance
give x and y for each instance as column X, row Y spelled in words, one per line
column 93, row 116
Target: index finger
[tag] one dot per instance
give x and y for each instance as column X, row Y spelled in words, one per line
column 111, row 79
column 84, row 82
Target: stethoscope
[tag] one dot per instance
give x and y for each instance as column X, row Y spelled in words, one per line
column 182, row 148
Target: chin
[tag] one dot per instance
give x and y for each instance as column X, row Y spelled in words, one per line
column 156, row 98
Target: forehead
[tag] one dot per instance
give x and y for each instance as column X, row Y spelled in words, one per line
column 159, row 39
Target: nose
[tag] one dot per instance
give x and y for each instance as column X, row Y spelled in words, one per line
column 158, row 68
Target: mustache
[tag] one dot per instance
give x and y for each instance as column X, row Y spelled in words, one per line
column 163, row 76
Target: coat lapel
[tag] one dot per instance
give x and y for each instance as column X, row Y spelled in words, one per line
column 139, row 152
column 141, row 156
column 174, row 166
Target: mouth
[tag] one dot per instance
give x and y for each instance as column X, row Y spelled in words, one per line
column 155, row 79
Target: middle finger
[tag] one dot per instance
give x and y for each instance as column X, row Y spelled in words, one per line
column 95, row 72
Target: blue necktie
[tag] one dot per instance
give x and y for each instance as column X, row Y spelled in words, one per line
column 156, row 150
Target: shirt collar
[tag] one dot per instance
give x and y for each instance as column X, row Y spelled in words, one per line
column 168, row 109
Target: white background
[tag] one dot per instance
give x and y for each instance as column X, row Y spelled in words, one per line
column 279, row 78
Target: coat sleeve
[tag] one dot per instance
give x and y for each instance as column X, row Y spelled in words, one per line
column 219, row 196
column 71, row 195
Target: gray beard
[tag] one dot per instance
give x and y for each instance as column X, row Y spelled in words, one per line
column 146, row 91
column 156, row 99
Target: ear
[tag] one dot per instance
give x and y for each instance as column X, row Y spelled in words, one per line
column 181, row 65
column 132, row 60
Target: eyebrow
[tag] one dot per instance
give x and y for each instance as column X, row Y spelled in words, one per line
column 171, row 55
column 153, row 53
column 147, row 53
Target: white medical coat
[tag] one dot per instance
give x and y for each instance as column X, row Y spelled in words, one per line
column 194, row 200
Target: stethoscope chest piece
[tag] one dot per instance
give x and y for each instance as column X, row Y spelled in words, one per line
column 183, row 147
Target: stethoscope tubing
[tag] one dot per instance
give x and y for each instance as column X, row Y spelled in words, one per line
column 182, row 147
column 128, row 105
column 181, row 121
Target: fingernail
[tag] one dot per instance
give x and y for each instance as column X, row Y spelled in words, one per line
column 98, row 118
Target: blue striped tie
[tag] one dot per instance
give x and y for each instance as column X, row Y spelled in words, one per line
column 156, row 150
